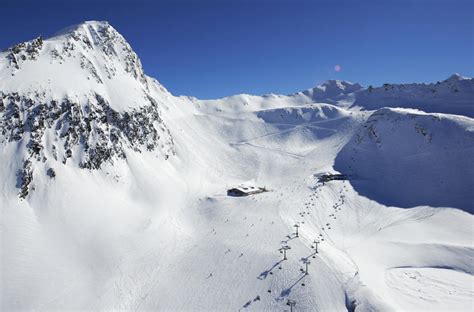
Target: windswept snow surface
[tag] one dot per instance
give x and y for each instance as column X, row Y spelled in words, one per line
column 145, row 232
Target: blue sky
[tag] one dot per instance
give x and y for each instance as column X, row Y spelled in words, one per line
column 212, row 49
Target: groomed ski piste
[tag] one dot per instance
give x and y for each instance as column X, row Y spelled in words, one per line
column 153, row 229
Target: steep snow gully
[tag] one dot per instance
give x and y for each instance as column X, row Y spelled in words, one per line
column 114, row 191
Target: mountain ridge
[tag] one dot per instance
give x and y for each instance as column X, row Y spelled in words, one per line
column 100, row 33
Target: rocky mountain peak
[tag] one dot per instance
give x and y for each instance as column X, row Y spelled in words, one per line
column 331, row 89
column 78, row 98
column 95, row 47
column 456, row 77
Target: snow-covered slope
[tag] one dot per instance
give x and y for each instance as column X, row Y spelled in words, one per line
column 408, row 158
column 331, row 91
column 134, row 213
column 453, row 96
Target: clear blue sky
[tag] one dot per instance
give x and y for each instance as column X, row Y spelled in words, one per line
column 211, row 49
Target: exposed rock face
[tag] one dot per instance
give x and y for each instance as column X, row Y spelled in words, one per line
column 76, row 42
column 24, row 178
column 24, row 51
column 91, row 134
column 102, row 109
column 51, row 173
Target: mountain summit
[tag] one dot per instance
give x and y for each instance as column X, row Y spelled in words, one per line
column 80, row 96
column 332, row 90
column 457, row 77
column 94, row 53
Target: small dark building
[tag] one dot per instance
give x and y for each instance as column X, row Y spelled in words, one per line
column 329, row 177
column 245, row 191
column 236, row 192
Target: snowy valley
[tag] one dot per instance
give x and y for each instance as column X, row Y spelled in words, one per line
column 114, row 191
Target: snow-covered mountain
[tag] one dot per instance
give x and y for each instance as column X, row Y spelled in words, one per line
column 80, row 95
column 331, row 90
column 453, row 95
column 114, row 191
